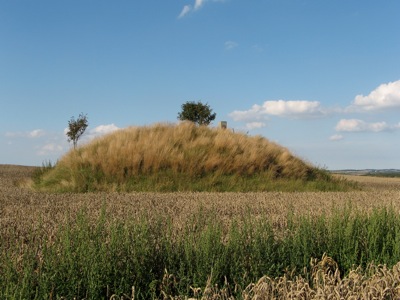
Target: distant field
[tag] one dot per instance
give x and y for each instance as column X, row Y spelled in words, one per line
column 32, row 221
column 375, row 182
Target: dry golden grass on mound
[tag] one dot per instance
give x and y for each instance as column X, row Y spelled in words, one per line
column 184, row 148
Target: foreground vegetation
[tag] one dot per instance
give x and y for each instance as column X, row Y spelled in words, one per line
column 184, row 157
column 238, row 245
column 93, row 260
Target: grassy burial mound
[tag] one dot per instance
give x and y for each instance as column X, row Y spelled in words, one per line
column 184, row 157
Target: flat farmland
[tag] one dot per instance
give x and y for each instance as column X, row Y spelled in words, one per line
column 34, row 219
column 21, row 206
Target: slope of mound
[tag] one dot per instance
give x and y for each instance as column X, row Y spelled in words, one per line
column 166, row 157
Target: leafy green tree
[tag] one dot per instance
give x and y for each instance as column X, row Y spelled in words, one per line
column 198, row 113
column 76, row 128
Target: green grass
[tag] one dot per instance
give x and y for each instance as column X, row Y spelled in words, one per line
column 94, row 260
column 39, row 172
column 89, row 180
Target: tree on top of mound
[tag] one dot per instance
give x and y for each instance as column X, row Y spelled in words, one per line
column 197, row 113
column 76, row 128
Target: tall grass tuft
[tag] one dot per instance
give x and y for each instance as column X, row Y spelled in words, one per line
column 166, row 157
column 97, row 259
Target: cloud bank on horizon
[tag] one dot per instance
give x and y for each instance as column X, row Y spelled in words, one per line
column 384, row 98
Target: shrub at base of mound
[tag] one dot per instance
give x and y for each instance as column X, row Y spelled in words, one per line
column 183, row 157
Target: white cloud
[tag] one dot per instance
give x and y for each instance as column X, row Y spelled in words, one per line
column 229, row 45
column 185, row 10
column 97, row 131
column 50, row 148
column 385, row 96
column 355, row 125
column 28, row 134
column 253, row 113
column 66, row 129
column 197, row 5
column 101, row 130
column 336, row 137
column 255, row 125
column 295, row 108
column 11, row 134
column 281, row 108
column 104, row 129
column 36, row 133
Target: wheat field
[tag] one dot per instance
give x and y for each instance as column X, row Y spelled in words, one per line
column 23, row 212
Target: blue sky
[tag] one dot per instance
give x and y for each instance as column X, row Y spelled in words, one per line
column 319, row 77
